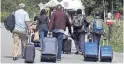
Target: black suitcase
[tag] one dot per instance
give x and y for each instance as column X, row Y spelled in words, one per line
column 67, row 46
column 48, row 58
column 106, row 52
column 29, row 52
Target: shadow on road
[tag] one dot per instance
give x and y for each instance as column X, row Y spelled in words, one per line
column 19, row 56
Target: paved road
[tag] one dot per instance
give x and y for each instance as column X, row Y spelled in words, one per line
column 7, row 46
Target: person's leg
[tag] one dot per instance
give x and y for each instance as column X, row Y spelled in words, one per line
column 60, row 41
column 16, row 45
column 24, row 41
column 76, row 40
column 82, row 41
column 41, row 38
column 45, row 34
column 97, row 38
column 77, row 46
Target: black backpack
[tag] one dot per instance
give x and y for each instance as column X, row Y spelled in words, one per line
column 9, row 22
column 78, row 21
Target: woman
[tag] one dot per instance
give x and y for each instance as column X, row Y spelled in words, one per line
column 42, row 24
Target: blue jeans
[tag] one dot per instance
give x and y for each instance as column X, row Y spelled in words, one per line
column 43, row 33
column 59, row 37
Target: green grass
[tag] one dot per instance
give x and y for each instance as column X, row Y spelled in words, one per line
column 116, row 37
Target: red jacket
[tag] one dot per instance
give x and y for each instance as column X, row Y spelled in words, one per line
column 59, row 20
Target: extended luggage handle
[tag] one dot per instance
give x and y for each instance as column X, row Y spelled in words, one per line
column 29, row 37
column 104, row 41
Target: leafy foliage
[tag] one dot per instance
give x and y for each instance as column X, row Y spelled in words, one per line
column 12, row 5
column 93, row 5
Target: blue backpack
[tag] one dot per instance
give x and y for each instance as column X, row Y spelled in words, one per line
column 98, row 26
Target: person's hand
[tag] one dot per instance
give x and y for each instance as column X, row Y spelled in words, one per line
column 29, row 30
column 49, row 33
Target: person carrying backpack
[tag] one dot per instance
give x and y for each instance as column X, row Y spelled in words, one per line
column 22, row 25
column 98, row 28
column 58, row 22
column 80, row 28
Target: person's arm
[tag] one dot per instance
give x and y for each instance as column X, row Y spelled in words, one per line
column 86, row 21
column 27, row 21
column 51, row 22
column 68, row 24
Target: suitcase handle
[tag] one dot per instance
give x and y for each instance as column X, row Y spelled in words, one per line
column 50, row 34
column 29, row 37
column 104, row 41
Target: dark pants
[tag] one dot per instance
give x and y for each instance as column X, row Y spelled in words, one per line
column 59, row 37
column 97, row 37
column 79, row 41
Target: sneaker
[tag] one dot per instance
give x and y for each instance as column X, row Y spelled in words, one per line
column 58, row 59
column 14, row 58
column 76, row 52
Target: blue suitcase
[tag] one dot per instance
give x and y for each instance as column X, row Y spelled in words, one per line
column 106, row 53
column 91, row 51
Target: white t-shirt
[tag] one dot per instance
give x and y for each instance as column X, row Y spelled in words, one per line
column 109, row 15
column 20, row 17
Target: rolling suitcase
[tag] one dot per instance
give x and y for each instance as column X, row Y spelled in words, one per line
column 67, row 46
column 91, row 51
column 29, row 52
column 49, row 49
column 106, row 52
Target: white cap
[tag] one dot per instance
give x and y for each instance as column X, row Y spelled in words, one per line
column 22, row 5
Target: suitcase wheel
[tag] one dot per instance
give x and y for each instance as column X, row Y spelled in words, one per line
column 106, row 60
column 90, row 59
column 29, row 61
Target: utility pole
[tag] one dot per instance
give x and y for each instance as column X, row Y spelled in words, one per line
column 112, row 10
column 104, row 9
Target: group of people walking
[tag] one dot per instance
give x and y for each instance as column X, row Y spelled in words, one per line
column 56, row 25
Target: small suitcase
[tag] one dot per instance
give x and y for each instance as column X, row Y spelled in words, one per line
column 91, row 51
column 49, row 49
column 106, row 52
column 29, row 52
column 67, row 46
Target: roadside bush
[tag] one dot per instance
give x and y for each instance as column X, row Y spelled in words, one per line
column 3, row 16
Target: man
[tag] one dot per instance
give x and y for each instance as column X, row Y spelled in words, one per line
column 58, row 23
column 20, row 31
column 80, row 28
column 109, row 15
column 98, row 27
